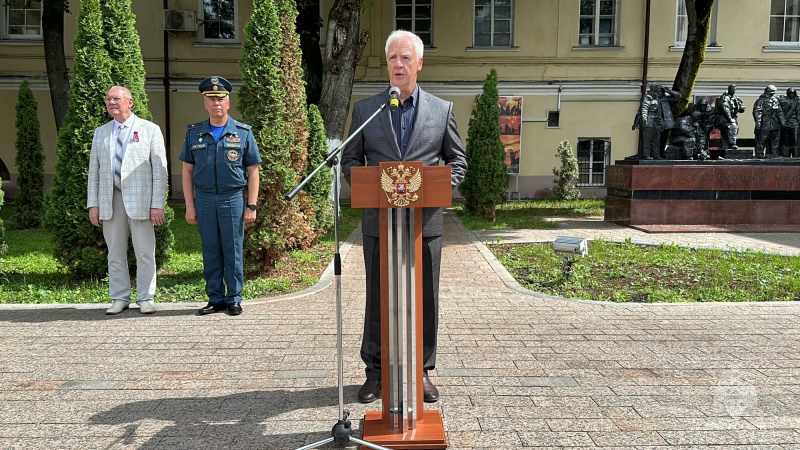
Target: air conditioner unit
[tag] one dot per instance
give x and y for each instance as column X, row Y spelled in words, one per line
column 176, row 20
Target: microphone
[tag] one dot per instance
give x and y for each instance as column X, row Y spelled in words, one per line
column 394, row 102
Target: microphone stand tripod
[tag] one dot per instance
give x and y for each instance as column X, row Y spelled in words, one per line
column 341, row 432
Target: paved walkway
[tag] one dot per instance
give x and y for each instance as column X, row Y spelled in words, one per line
column 515, row 370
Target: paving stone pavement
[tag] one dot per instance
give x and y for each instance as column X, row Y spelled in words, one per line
column 515, row 369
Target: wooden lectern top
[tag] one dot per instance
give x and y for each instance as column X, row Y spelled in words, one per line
column 400, row 184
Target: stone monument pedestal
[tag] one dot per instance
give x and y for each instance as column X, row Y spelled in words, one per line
column 716, row 192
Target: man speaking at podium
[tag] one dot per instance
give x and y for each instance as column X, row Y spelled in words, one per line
column 418, row 127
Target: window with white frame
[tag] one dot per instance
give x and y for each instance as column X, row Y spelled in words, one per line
column 682, row 25
column 22, row 19
column 415, row 16
column 598, row 23
column 493, row 22
column 594, row 155
column 784, row 22
column 218, row 20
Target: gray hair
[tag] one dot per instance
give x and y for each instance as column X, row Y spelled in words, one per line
column 398, row 35
column 126, row 92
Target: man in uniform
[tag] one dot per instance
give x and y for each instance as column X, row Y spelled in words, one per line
column 727, row 109
column 220, row 168
column 656, row 118
column 790, row 133
column 768, row 117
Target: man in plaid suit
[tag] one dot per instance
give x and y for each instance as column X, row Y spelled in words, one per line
column 126, row 195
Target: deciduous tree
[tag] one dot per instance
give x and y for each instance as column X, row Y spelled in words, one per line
column 698, row 14
column 343, row 49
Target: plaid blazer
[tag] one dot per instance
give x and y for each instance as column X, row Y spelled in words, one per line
column 433, row 138
column 143, row 172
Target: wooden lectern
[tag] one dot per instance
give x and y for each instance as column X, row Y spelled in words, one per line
column 400, row 190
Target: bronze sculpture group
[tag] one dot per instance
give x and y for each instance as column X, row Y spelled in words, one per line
column 777, row 124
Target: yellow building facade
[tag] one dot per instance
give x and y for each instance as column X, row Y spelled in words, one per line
column 578, row 66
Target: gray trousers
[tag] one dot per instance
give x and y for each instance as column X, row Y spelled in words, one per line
column 115, row 232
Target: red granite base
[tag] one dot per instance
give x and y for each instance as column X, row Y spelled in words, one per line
column 725, row 228
column 752, row 197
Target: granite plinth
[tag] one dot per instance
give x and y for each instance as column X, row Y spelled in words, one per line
column 757, row 192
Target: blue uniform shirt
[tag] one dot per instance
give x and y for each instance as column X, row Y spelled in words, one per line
column 220, row 166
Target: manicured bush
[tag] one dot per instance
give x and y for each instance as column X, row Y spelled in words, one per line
column 566, row 181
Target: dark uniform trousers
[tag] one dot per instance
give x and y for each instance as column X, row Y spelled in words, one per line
column 220, row 221
column 371, row 343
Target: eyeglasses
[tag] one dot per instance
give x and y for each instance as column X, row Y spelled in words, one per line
column 115, row 99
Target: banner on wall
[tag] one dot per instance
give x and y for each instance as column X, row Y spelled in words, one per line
column 510, row 127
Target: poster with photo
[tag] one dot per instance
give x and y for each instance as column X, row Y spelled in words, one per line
column 510, row 127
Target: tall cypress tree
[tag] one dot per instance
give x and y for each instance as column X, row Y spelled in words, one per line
column 79, row 244
column 29, row 203
column 272, row 100
column 127, row 69
column 486, row 180
column 122, row 44
column 319, row 188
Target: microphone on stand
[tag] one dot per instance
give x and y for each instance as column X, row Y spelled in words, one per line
column 394, row 101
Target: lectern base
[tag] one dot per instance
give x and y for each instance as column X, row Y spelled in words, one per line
column 429, row 433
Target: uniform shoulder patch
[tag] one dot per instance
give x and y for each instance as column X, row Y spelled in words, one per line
column 243, row 126
column 192, row 126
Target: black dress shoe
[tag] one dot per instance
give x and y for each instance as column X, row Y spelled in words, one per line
column 211, row 308
column 235, row 309
column 431, row 393
column 369, row 392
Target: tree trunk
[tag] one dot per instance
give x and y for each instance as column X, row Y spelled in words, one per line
column 308, row 25
column 694, row 52
column 55, row 59
column 343, row 49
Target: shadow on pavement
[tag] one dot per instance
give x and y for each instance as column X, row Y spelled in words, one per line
column 229, row 421
column 51, row 312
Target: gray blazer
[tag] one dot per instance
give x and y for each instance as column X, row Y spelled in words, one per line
column 433, row 138
column 143, row 171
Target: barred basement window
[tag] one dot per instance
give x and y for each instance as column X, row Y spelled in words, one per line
column 553, row 118
column 594, row 155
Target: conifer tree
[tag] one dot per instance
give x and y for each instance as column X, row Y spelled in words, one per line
column 29, row 204
column 79, row 244
column 3, row 245
column 127, row 69
column 272, row 100
column 566, row 181
column 319, row 188
column 486, row 181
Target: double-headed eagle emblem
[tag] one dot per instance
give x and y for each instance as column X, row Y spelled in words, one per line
column 401, row 184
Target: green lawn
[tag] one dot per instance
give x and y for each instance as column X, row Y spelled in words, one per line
column 634, row 273
column 30, row 273
column 615, row 272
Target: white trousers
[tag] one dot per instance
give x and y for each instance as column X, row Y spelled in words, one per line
column 143, row 235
